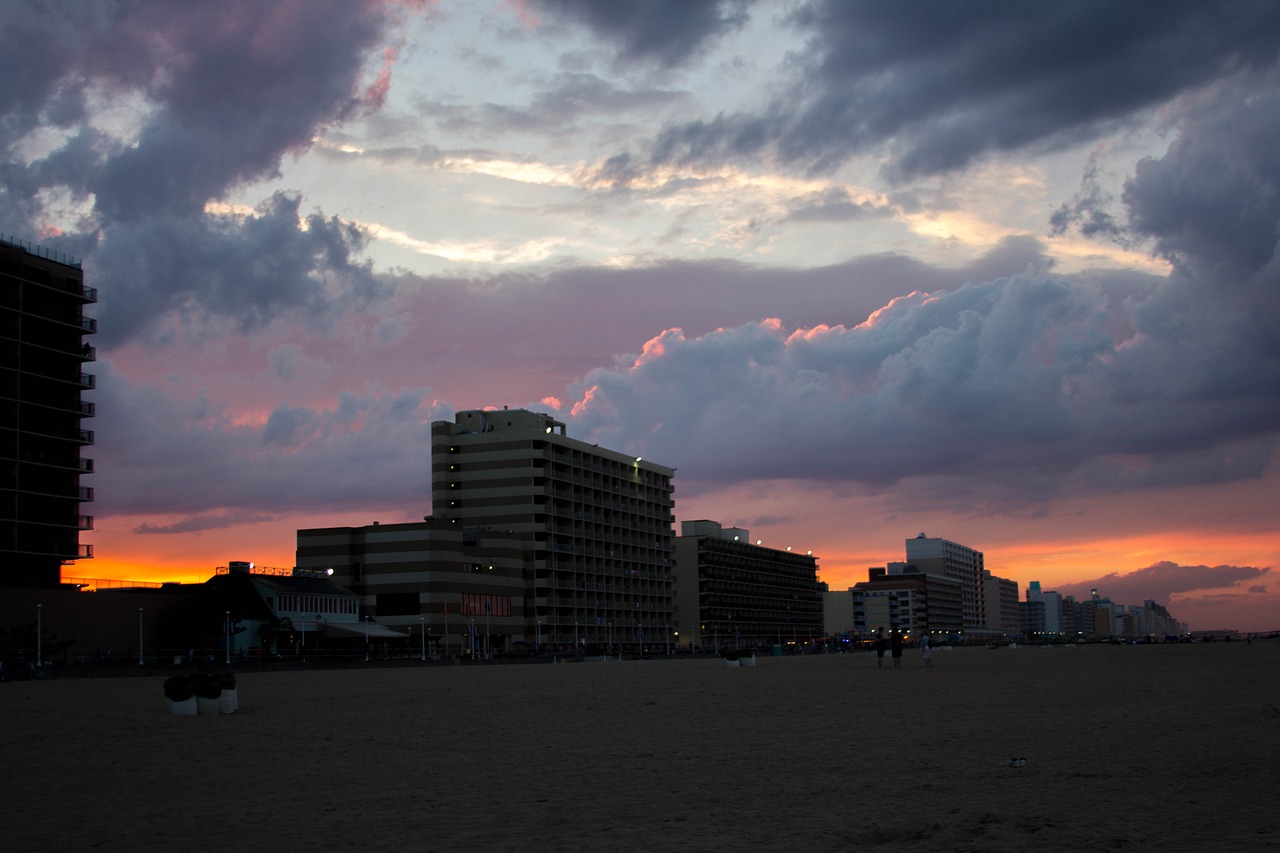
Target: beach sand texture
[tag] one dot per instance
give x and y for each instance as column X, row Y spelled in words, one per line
column 1128, row 748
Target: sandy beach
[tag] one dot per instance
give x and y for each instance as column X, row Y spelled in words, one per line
column 1127, row 748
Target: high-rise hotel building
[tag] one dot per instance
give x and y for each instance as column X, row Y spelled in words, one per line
column 959, row 563
column 597, row 525
column 42, row 378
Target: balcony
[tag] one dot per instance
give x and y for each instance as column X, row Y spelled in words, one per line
column 84, row 522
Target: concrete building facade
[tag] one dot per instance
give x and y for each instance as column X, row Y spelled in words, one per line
column 964, row 565
column 1001, row 602
column 42, row 381
column 466, row 590
column 736, row 593
column 598, row 524
column 902, row 596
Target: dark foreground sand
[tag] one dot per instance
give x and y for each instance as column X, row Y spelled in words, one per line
column 1128, row 748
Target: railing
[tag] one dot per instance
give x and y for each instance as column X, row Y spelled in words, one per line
column 91, row 584
column 40, row 251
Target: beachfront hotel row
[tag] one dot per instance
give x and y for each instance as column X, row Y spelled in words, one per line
column 535, row 540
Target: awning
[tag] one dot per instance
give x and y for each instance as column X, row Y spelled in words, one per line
column 359, row 629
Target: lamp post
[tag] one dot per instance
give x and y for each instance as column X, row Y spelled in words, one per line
column 423, row 620
column 227, row 628
column 537, row 639
column 140, row 663
column 366, row 638
column 39, row 631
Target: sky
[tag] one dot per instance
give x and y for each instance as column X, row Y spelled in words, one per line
column 1002, row 273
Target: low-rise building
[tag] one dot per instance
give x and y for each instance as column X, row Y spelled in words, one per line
column 732, row 592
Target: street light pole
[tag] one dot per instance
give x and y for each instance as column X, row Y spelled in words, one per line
column 39, row 631
column 423, row 620
column 227, row 627
column 140, row 636
column 366, row 638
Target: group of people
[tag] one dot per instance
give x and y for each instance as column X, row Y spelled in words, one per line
column 894, row 647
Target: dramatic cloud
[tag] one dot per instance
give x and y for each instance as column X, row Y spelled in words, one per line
column 249, row 269
column 1167, row 582
column 1055, row 378
column 938, row 84
column 975, row 268
column 201, row 99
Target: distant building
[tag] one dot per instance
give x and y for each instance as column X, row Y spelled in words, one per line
column 837, row 612
column 901, row 596
column 42, row 379
column 1051, row 606
column 959, row 563
column 1001, row 604
column 733, row 592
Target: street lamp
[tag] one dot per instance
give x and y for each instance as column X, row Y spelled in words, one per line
column 537, row 640
column 227, row 628
column 39, row 630
column 423, row 620
column 140, row 663
column 366, row 638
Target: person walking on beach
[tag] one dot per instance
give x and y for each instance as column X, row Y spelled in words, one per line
column 895, row 647
column 925, row 651
column 879, row 648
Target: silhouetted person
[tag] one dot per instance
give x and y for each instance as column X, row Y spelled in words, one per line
column 895, row 647
column 925, row 651
column 880, row 646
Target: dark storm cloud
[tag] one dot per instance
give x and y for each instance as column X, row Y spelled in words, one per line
column 1212, row 200
column 939, row 84
column 1164, row 581
column 221, row 92
column 664, row 32
column 248, row 270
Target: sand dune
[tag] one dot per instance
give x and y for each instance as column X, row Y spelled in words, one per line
column 1128, row 748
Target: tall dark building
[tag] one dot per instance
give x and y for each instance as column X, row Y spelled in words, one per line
column 42, row 378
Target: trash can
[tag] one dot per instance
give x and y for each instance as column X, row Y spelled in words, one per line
column 181, row 695
column 229, row 701
column 208, row 694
